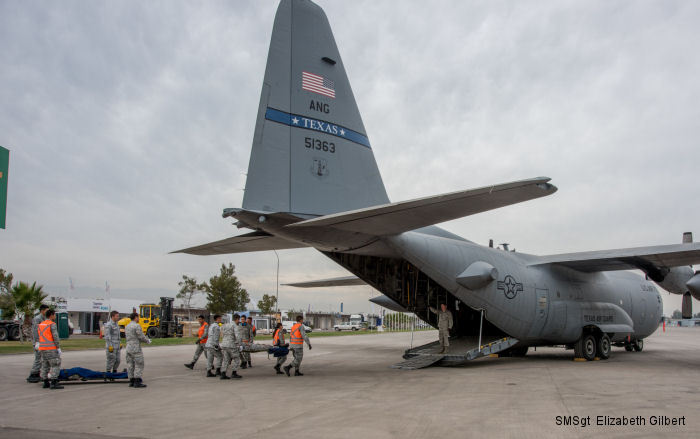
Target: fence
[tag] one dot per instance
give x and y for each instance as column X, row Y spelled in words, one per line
column 401, row 321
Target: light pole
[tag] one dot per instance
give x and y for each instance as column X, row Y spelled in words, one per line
column 277, row 286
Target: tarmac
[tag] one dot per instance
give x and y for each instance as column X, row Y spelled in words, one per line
column 349, row 391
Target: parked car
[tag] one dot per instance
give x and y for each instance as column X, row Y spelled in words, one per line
column 348, row 326
column 287, row 324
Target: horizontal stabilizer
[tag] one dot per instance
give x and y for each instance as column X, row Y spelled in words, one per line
column 250, row 242
column 647, row 259
column 386, row 302
column 394, row 218
column 345, row 281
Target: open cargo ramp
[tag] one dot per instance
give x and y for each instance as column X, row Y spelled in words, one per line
column 461, row 350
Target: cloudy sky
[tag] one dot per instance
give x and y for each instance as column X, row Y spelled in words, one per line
column 130, row 125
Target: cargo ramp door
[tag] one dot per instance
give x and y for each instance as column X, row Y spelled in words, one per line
column 461, row 350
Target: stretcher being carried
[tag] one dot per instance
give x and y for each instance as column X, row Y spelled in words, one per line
column 276, row 351
column 83, row 374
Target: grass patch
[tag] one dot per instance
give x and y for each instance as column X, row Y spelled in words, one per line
column 79, row 344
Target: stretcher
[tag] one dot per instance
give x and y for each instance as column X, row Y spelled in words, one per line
column 276, row 351
column 82, row 374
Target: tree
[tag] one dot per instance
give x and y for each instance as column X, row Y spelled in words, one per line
column 188, row 288
column 677, row 314
column 25, row 301
column 5, row 281
column 7, row 302
column 267, row 304
column 224, row 292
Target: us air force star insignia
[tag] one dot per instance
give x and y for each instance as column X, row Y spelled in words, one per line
column 510, row 286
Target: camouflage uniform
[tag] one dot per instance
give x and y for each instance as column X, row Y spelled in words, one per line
column 213, row 348
column 112, row 338
column 134, row 355
column 298, row 349
column 51, row 359
column 444, row 326
column 36, row 366
column 230, row 347
column 200, row 345
column 244, row 335
column 280, row 360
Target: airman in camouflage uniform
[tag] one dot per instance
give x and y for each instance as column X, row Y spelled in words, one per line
column 244, row 335
column 278, row 340
column 112, row 343
column 36, row 366
column 444, row 326
column 298, row 337
column 213, row 348
column 134, row 355
column 230, row 348
column 48, row 344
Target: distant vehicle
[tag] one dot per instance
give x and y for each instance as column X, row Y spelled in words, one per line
column 157, row 321
column 348, row 326
column 9, row 330
column 287, row 324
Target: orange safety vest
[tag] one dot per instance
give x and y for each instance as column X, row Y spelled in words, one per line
column 46, row 341
column 201, row 331
column 296, row 335
column 276, row 338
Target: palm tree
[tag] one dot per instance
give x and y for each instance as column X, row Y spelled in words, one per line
column 27, row 301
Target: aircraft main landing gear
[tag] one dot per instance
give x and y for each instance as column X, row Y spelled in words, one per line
column 593, row 345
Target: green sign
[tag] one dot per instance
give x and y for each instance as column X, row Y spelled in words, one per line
column 4, row 167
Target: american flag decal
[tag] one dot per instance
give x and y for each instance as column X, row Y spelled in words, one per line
column 317, row 84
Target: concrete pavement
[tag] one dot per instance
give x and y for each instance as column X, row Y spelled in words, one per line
column 350, row 391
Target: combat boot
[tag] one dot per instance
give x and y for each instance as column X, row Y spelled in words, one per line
column 235, row 375
column 189, row 365
column 279, row 372
column 224, row 377
column 297, row 373
column 138, row 382
column 131, row 382
column 210, row 374
column 46, row 384
column 34, row 378
column 244, row 365
column 287, row 369
column 55, row 385
column 250, row 364
column 218, row 371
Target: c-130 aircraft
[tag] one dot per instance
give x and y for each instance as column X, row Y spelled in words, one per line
column 313, row 182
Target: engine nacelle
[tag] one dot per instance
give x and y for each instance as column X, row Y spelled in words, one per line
column 676, row 280
column 693, row 285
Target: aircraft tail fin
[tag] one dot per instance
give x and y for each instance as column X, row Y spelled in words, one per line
column 310, row 153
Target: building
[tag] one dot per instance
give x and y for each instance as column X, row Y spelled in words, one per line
column 86, row 316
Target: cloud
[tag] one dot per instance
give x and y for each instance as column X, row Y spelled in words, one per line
column 130, row 127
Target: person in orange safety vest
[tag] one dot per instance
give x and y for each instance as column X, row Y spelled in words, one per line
column 201, row 341
column 48, row 346
column 296, row 345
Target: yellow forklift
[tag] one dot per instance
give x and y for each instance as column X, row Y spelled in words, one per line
column 156, row 320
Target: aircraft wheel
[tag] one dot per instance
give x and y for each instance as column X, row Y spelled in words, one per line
column 604, row 347
column 629, row 348
column 638, row 345
column 585, row 347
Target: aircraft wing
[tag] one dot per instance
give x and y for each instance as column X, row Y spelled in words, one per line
column 345, row 281
column 648, row 259
column 250, row 242
column 394, row 218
